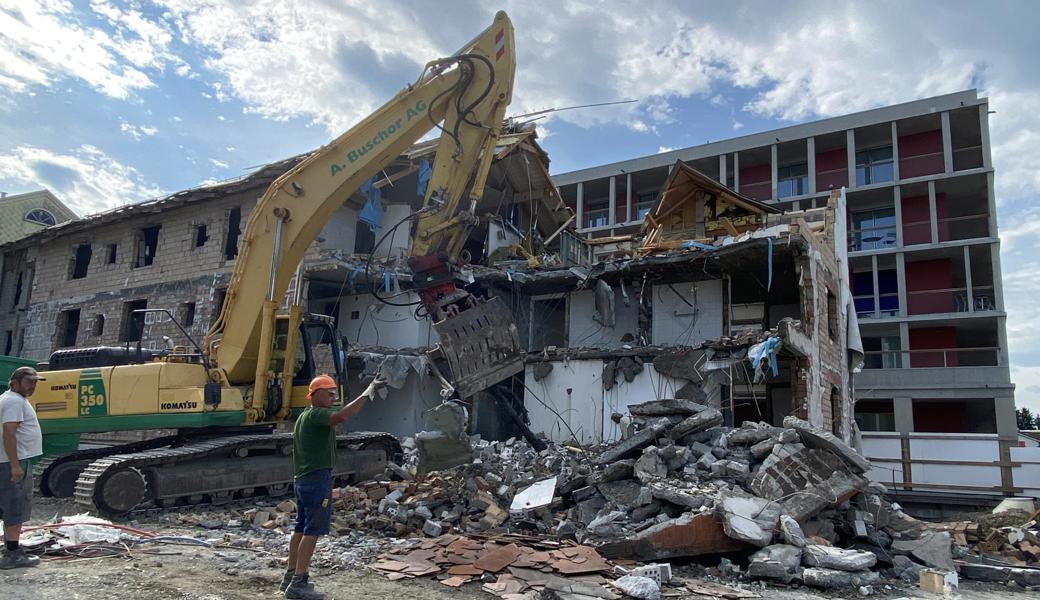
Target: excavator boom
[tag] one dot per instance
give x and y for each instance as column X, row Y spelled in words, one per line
column 467, row 95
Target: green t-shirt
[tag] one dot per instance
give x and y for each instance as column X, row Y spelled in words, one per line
column 314, row 441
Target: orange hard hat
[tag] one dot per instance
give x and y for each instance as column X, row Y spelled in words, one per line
column 321, row 382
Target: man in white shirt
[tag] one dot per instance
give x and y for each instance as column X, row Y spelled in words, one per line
column 21, row 441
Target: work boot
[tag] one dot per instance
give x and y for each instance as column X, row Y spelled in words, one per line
column 18, row 559
column 302, row 589
column 286, row 580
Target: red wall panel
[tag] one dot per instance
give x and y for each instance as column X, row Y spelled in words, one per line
column 920, row 154
column 925, row 275
column 932, row 337
column 832, row 169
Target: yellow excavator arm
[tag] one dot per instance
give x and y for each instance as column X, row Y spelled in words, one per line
column 467, row 93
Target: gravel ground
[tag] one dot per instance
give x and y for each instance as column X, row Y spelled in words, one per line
column 225, row 573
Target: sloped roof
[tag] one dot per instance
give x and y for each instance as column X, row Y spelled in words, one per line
column 684, row 180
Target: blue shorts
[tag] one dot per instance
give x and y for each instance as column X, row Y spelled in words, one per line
column 314, row 503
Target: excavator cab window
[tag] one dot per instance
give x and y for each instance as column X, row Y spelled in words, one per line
column 318, row 351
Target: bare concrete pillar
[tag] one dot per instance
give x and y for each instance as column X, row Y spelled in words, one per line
column 904, row 414
column 850, row 151
column 987, row 157
column 810, row 150
column 772, row 167
column 932, row 213
column 612, row 201
column 628, row 196
column 895, row 151
column 580, row 206
column 946, row 142
column 901, row 282
column 897, row 203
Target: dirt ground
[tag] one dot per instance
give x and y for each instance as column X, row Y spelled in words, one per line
column 181, row 572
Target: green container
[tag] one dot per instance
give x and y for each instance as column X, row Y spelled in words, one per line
column 7, row 366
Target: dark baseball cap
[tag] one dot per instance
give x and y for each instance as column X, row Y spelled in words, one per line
column 23, row 372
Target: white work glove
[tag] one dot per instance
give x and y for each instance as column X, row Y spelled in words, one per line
column 378, row 386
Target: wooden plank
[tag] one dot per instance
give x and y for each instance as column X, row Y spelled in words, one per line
column 729, row 226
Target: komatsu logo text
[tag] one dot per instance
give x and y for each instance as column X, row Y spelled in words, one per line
column 381, row 136
column 178, row 405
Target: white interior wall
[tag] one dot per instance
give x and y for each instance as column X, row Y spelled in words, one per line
column 677, row 323
column 378, row 324
column 584, row 331
column 340, row 232
column 574, row 389
column 402, row 412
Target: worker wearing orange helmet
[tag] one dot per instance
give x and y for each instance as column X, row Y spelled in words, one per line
column 314, row 456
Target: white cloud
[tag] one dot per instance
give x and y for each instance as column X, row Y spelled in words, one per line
column 737, row 125
column 137, row 131
column 46, row 42
column 86, row 179
column 230, row 148
column 218, row 163
column 663, row 149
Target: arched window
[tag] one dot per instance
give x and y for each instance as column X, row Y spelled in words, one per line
column 41, row 216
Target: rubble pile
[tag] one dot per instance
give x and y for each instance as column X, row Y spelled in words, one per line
column 793, row 499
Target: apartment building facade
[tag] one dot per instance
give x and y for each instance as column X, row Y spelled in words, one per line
column 924, row 256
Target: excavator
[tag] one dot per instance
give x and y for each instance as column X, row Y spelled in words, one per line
column 226, row 396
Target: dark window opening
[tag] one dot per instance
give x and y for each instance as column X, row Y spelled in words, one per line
column 147, row 244
column 875, row 415
column 874, row 166
column 17, row 291
column 200, row 235
column 355, row 315
column 832, row 315
column 133, row 323
column 836, row 415
column 8, row 342
column 187, row 314
column 219, row 297
column 81, row 261
column 792, row 180
column 364, row 239
column 99, row 325
column 233, row 231
column 548, row 323
column 112, row 250
column 68, row 325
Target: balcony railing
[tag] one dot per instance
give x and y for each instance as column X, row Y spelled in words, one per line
column 950, row 300
column 969, row 157
column 762, row 190
column 832, row 179
column 888, row 305
column 983, row 356
column 921, row 164
column 965, row 227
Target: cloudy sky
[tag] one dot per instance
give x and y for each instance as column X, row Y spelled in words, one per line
column 107, row 103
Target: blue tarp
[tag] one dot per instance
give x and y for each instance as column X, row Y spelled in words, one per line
column 372, row 212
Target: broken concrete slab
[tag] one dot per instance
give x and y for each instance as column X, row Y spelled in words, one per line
column 933, row 548
column 438, row 450
column 746, row 517
column 643, row 437
column 816, row 438
column 649, row 466
column 750, row 434
column 696, row 423
column 764, row 448
column 792, row 531
column 906, row 569
column 615, row 471
column 680, row 364
column 622, row 493
column 688, row 535
column 667, row 406
column 692, row 391
column 732, row 469
column 830, row 579
column 635, row 586
column 779, row 562
column 680, row 497
column 829, row 557
column 575, row 589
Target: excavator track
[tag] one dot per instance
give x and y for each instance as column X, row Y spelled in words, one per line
column 57, row 474
column 218, row 471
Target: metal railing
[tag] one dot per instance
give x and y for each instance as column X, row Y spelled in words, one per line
column 950, row 300
column 922, row 358
column 964, row 227
column 930, row 163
